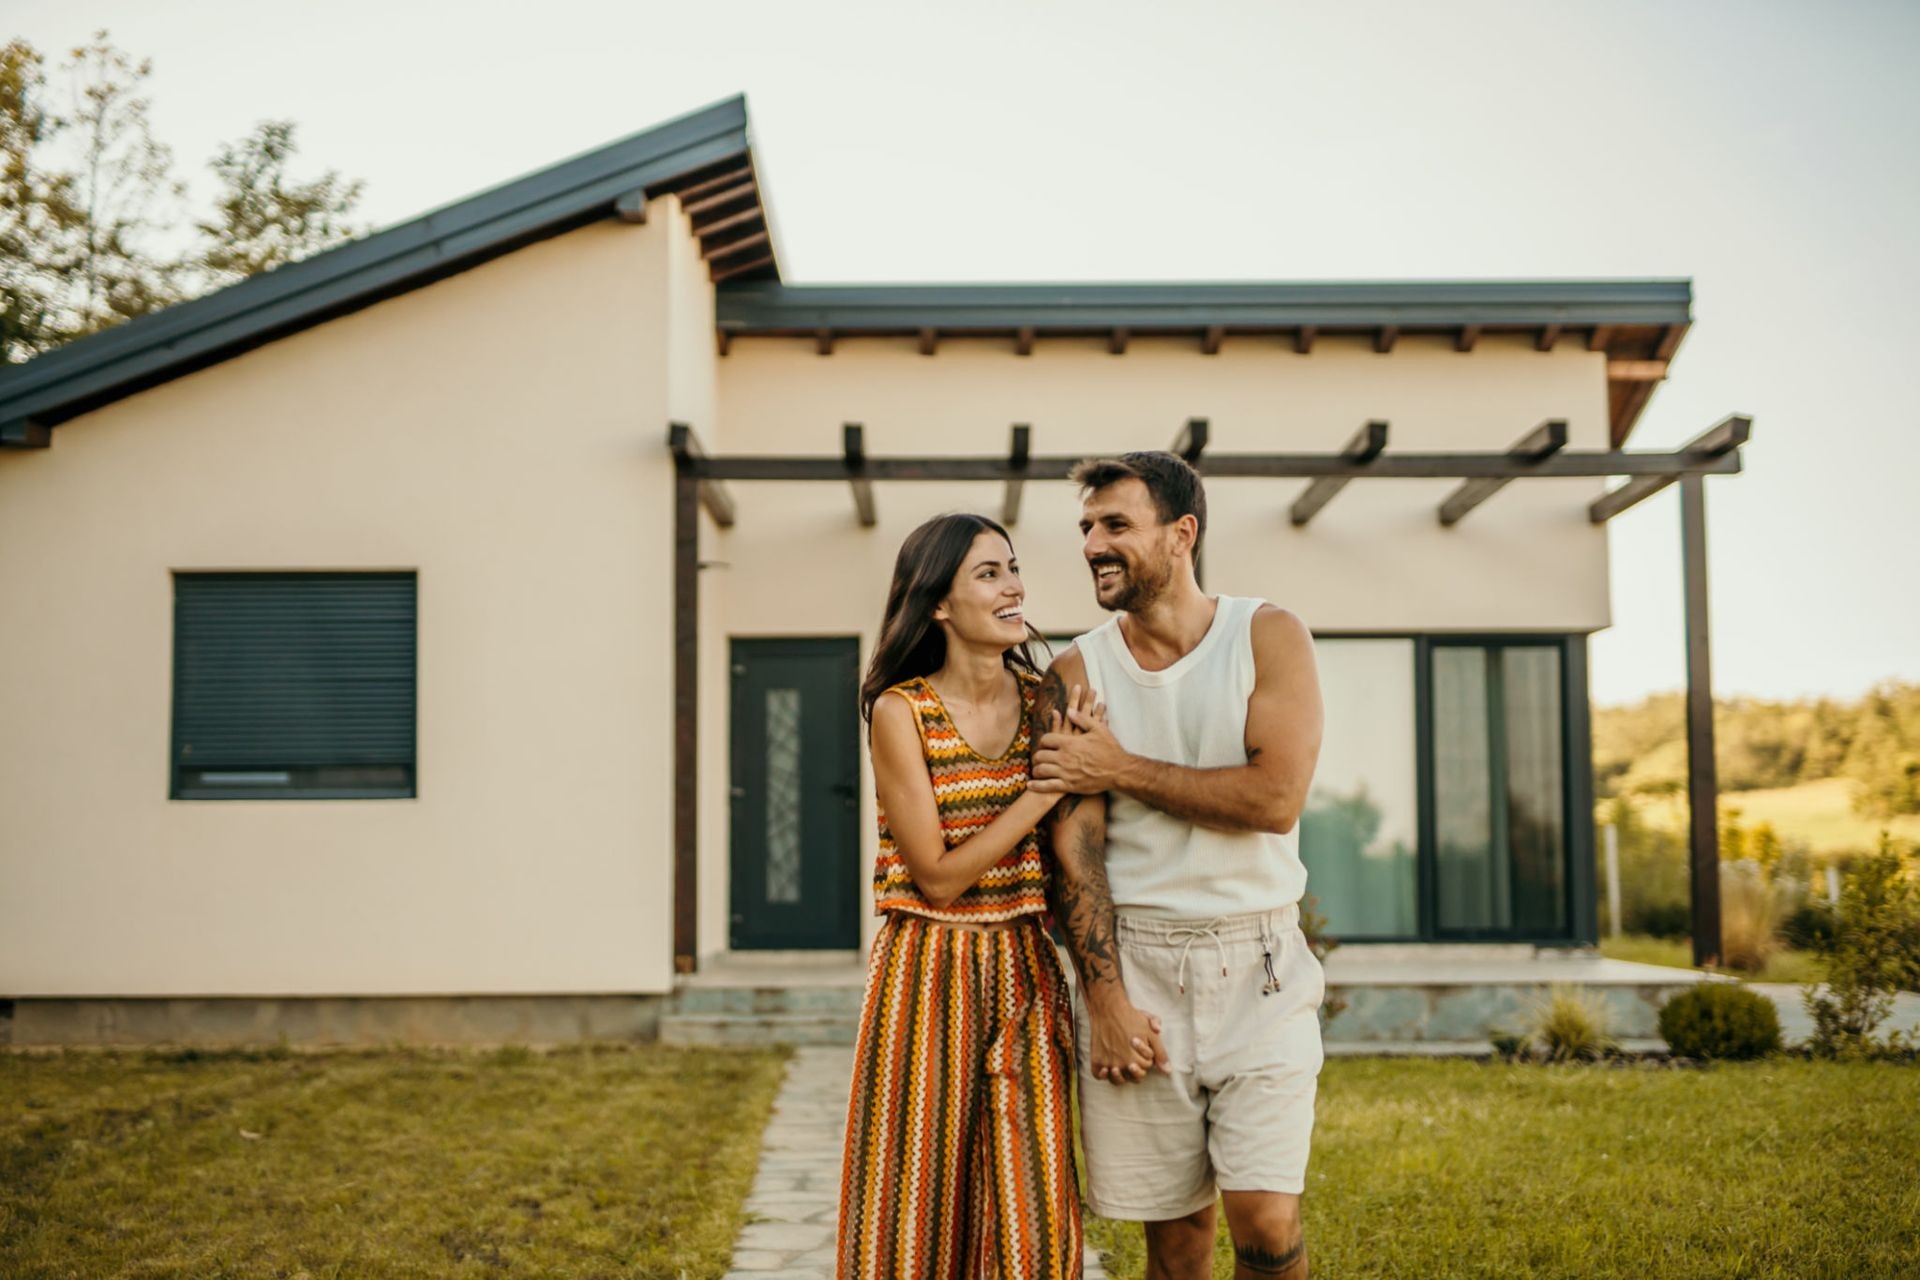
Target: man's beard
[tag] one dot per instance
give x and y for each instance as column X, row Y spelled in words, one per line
column 1136, row 591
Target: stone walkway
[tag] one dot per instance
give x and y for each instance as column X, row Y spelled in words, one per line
column 790, row 1213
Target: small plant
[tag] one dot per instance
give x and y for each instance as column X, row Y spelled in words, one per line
column 1572, row 1027
column 1749, row 917
column 1809, row 927
column 1313, row 923
column 1720, row 1020
column 1511, row 1046
column 1875, row 952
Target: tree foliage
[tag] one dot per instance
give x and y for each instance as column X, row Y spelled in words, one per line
column 88, row 199
column 1641, row 750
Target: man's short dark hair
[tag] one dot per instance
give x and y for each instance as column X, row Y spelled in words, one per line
column 1172, row 483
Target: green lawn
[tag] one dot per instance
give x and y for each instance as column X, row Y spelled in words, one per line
column 1451, row 1168
column 1785, row 965
column 597, row 1162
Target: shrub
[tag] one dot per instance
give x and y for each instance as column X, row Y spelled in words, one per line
column 1510, row 1046
column 1720, row 1020
column 1572, row 1027
column 1875, row 952
column 1750, row 913
column 1664, row 920
column 1809, row 926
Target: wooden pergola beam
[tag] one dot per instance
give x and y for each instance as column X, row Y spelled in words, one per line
column 1211, row 338
column 1363, row 450
column 929, row 341
column 1019, row 454
column 853, row 452
column 1599, row 337
column 1384, row 337
column 1191, row 440
column 1542, row 442
column 1469, row 335
column 1303, row 339
column 1549, row 334
column 1117, row 341
column 1721, row 441
column 1023, row 341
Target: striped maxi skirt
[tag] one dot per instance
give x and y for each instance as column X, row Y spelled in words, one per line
column 959, row 1159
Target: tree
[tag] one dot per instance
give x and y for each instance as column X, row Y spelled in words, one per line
column 261, row 219
column 40, row 222
column 124, row 188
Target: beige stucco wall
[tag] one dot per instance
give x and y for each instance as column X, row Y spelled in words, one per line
column 500, row 432
column 1374, row 560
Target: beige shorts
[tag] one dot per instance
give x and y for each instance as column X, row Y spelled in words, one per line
column 1236, row 1113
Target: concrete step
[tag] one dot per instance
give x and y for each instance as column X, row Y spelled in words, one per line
column 764, row 1001
column 736, row 1030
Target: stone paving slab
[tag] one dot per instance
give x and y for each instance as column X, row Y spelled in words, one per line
column 795, row 1199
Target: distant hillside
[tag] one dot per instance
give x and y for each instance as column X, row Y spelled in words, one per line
column 1871, row 743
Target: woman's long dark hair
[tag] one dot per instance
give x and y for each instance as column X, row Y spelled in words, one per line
column 911, row 643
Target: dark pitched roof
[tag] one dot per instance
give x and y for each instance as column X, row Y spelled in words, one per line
column 706, row 156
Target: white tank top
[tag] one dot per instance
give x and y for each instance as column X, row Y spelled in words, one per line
column 1194, row 713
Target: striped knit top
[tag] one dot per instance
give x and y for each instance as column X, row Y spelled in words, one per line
column 970, row 791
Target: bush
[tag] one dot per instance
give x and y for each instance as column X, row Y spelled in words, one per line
column 1809, row 926
column 1664, row 920
column 1720, row 1020
column 1572, row 1027
column 1875, row 952
column 1750, row 913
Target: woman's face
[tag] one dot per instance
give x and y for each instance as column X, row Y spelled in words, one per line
column 984, row 606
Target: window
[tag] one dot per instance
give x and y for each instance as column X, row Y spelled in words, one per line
column 293, row 685
column 1361, row 830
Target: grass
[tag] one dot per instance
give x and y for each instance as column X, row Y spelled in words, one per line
column 1785, row 965
column 1769, row 1170
column 1821, row 813
column 595, row 1162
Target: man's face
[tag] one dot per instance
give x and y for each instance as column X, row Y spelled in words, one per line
column 1132, row 555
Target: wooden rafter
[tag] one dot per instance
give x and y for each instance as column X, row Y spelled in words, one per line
column 708, row 203
column 1117, row 342
column 1365, row 447
column 1599, row 337
column 1019, row 455
column 1469, row 335
column 735, row 247
column 1303, row 339
column 706, row 186
column 1549, row 335
column 1721, row 440
column 1537, row 445
column 752, row 213
column 1191, row 440
column 1211, row 339
column 853, row 450
column 1023, row 341
column 929, row 341
column 741, row 268
column 1384, row 337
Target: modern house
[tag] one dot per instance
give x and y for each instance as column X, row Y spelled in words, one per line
column 460, row 629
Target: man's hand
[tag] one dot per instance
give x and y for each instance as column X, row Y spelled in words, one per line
column 1124, row 1042
column 1081, row 758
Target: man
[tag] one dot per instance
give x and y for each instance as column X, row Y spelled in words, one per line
column 1178, row 883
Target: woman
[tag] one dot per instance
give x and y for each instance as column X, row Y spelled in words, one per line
column 959, row 1156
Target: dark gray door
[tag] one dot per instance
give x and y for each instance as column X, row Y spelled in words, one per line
column 796, row 801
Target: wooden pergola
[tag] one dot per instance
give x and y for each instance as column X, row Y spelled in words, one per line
column 702, row 480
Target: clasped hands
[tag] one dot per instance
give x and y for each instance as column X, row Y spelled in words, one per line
column 1080, row 757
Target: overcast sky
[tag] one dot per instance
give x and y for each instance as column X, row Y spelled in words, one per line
column 1768, row 151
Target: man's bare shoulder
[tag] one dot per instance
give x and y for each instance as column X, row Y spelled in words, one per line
column 1279, row 635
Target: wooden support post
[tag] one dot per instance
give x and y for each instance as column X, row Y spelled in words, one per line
column 1363, row 448
column 854, row 452
column 1542, row 442
column 1703, row 830
column 686, row 716
column 1019, row 453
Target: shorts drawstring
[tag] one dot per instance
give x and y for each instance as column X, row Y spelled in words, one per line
column 1187, row 935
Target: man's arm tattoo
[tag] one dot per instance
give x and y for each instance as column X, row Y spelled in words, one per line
column 1262, row 1263
column 1051, row 697
column 1084, row 905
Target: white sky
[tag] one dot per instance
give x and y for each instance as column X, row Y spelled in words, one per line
column 1769, row 151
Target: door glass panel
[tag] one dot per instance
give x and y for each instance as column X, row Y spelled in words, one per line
column 1359, row 832
column 1470, row 881
column 1499, row 790
column 1536, row 828
column 783, row 795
